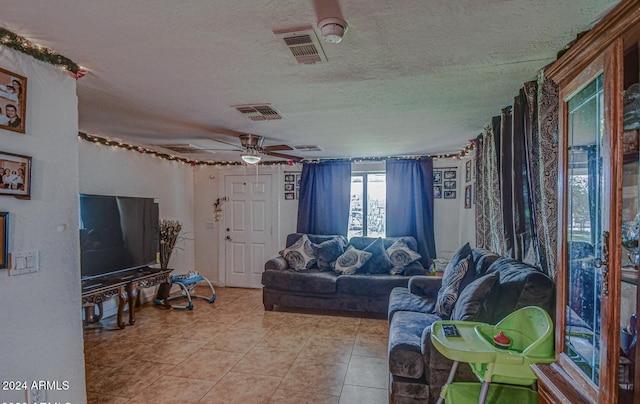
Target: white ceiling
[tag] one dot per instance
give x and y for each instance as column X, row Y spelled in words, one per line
column 410, row 76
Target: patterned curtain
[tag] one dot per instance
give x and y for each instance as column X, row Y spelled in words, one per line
column 489, row 223
column 543, row 170
column 517, row 163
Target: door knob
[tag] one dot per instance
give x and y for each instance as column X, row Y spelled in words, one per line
column 228, row 238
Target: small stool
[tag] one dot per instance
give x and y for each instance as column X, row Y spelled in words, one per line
column 187, row 284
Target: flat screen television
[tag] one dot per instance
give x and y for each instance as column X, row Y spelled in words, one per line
column 117, row 233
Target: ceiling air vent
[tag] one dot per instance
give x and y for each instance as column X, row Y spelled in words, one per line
column 307, row 148
column 303, row 44
column 183, row 148
column 258, row 112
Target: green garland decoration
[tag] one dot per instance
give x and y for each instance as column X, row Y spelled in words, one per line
column 21, row 44
column 114, row 143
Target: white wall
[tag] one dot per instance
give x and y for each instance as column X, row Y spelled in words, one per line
column 106, row 170
column 40, row 325
column 453, row 224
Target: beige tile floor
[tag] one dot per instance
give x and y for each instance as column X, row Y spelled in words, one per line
column 233, row 351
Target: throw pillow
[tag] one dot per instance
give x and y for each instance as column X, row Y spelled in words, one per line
column 401, row 255
column 448, row 293
column 379, row 263
column 464, row 252
column 352, row 259
column 299, row 255
column 328, row 252
column 470, row 304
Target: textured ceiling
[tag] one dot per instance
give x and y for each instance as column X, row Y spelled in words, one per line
column 409, row 77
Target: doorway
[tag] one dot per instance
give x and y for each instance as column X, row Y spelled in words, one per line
column 248, row 229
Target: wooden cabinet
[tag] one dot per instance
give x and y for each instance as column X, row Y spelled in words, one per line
column 598, row 204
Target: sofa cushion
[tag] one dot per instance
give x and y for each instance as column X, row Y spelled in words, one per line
column 401, row 299
column 451, row 280
column 311, row 281
column 405, row 341
column 328, row 252
column 300, row 254
column 351, row 260
column 520, row 285
column 379, row 263
column 471, row 301
column 370, row 285
column 401, row 255
column 482, row 259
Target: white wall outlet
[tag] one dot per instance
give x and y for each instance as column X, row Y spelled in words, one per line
column 36, row 396
column 24, row 262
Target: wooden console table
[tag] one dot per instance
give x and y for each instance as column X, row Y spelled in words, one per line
column 125, row 284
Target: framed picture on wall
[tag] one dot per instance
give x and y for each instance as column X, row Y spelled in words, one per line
column 437, row 177
column 13, row 101
column 289, row 196
column 450, row 174
column 437, row 191
column 16, row 175
column 289, row 178
column 467, row 197
column 450, row 184
column 467, row 171
column 473, row 168
column 449, row 194
column 4, row 240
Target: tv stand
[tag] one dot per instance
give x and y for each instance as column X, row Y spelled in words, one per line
column 126, row 285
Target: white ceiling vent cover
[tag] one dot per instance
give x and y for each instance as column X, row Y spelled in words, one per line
column 307, row 148
column 303, row 44
column 258, row 112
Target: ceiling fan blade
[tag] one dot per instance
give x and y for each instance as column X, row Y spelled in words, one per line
column 277, row 147
column 236, row 145
column 284, row 156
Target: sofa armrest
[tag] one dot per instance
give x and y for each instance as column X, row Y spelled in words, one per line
column 424, row 285
column 277, row 263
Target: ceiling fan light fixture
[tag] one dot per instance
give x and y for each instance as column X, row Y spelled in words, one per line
column 251, row 158
column 333, row 29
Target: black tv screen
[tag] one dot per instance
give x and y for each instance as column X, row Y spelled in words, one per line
column 117, row 233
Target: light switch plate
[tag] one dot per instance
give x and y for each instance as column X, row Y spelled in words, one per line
column 24, row 262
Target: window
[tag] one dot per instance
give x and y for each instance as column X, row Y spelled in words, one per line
column 368, row 201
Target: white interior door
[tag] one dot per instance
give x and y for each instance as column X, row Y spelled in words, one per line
column 248, row 229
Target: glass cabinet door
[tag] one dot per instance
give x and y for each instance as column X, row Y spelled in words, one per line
column 584, row 228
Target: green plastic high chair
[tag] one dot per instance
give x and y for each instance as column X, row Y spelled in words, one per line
column 530, row 331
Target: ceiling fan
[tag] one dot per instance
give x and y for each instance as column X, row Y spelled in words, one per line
column 252, row 149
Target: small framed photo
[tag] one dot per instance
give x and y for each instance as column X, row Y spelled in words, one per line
column 449, row 184
column 437, row 191
column 4, row 240
column 13, row 101
column 473, row 168
column 289, row 196
column 467, row 171
column 450, row 174
column 16, row 175
column 437, row 177
column 289, row 178
column 298, row 181
column 289, row 186
column 467, row 197
column 449, row 194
